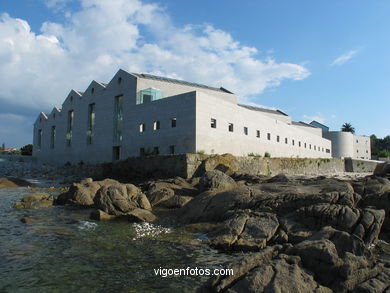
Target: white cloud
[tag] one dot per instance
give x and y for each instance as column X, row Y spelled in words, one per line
column 39, row 69
column 344, row 58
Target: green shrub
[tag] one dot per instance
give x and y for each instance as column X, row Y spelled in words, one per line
column 256, row 155
column 267, row 155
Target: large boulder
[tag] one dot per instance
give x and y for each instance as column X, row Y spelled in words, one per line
column 35, row 200
column 216, row 180
column 383, row 169
column 227, row 163
column 83, row 193
column 120, row 199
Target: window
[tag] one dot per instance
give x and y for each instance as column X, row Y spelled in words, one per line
column 299, row 143
column 91, row 123
column 92, row 90
column 156, row 125
column 69, row 132
column 257, row 133
column 156, row 151
column 54, row 115
column 173, row 122
column 357, row 151
column 269, row 136
column 52, row 136
column 309, row 146
column 118, row 118
column 39, row 142
column 357, row 141
column 322, row 149
column 119, row 80
column 327, row 151
column 246, row 130
column 71, row 98
column 231, row 127
column 172, row 149
column 148, row 95
column 314, row 147
column 142, row 127
column 305, row 144
column 213, row 123
column 142, row 152
column 277, row 138
column 366, row 152
column 116, row 153
column 286, row 140
column 293, row 142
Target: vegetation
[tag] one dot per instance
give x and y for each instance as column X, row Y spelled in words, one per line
column 256, row 155
column 380, row 146
column 26, row 150
column 267, row 155
column 347, row 127
column 200, row 152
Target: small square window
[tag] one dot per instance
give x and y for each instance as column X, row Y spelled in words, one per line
column 231, row 127
column 156, row 125
column 173, row 122
column 257, row 133
column 213, row 123
column 269, row 136
column 142, row 127
column 246, row 130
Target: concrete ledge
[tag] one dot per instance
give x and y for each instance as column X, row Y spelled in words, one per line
column 354, row 165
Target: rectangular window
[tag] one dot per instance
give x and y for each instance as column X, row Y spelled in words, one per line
column 231, row 127
column 156, row 125
column 299, row 143
column 305, row 144
column 52, row 137
column 293, row 142
column 213, row 123
column 156, row 151
column 69, row 132
column 39, row 142
column 91, row 123
column 172, row 149
column 286, row 140
column 116, row 153
column 118, row 118
column 257, row 133
column 269, row 136
column 327, row 151
column 309, row 146
column 142, row 152
column 142, row 127
column 277, row 138
column 314, row 147
column 173, row 122
column 246, row 130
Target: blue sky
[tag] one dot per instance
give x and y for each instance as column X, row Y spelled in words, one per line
column 322, row 60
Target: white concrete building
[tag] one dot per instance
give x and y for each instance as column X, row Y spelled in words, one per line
column 139, row 114
column 346, row 144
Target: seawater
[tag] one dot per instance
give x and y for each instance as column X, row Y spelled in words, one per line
column 61, row 250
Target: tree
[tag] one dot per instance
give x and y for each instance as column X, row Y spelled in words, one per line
column 347, row 127
column 26, row 150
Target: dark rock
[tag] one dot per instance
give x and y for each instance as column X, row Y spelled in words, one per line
column 35, row 200
column 99, row 215
column 216, row 180
column 278, row 178
column 382, row 169
column 176, row 201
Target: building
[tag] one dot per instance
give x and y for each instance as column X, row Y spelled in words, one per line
column 140, row 114
column 346, row 144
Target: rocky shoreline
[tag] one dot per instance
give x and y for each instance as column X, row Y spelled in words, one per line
column 298, row 234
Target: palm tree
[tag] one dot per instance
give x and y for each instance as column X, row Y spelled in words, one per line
column 347, row 127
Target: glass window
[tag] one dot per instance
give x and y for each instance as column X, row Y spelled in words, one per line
column 257, row 133
column 39, row 142
column 149, row 95
column 172, row 149
column 69, row 132
column 277, row 138
column 156, row 125
column 231, row 127
column 246, row 130
column 91, row 123
column 286, row 140
column 293, row 142
column 156, row 151
column 142, row 127
column 173, row 122
column 213, row 123
column 52, row 137
column 118, row 118
column 269, row 136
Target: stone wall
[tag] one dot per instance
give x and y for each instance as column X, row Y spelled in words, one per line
column 354, row 165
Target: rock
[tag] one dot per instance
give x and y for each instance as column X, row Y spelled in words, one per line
column 120, row 199
column 382, row 169
column 176, row 201
column 13, row 182
column 35, row 200
column 140, row 215
column 83, row 193
column 278, row 178
column 216, row 180
column 379, row 283
column 375, row 185
column 245, row 231
column 226, row 163
column 379, row 201
column 159, row 195
column 99, row 215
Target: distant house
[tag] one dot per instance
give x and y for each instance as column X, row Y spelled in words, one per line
column 141, row 114
column 346, row 144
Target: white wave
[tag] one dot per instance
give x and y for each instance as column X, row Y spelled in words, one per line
column 86, row 225
column 145, row 229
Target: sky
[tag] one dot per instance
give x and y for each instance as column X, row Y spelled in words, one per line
column 315, row 60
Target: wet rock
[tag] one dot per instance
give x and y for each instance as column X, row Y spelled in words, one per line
column 35, row 200
column 176, row 201
column 140, row 215
column 216, row 180
column 120, row 199
column 99, row 215
column 13, row 182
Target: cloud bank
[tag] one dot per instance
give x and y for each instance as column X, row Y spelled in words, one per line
column 38, row 69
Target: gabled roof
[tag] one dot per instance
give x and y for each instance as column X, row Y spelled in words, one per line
column 177, row 81
column 277, row 112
